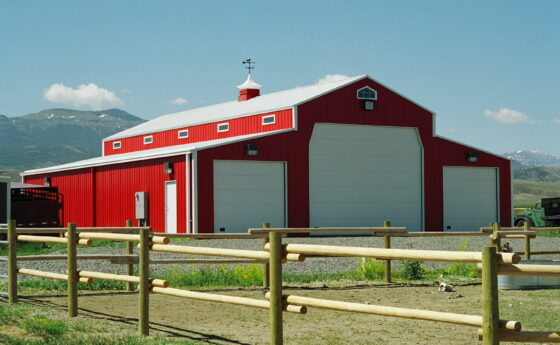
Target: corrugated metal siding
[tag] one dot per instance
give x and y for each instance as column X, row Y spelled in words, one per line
column 441, row 153
column 241, row 126
column 116, row 185
column 76, row 189
column 113, row 191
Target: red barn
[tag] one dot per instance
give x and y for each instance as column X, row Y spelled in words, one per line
column 350, row 152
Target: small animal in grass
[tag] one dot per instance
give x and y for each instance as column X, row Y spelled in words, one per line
column 444, row 287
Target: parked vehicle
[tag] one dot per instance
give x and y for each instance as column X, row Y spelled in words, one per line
column 545, row 213
column 35, row 206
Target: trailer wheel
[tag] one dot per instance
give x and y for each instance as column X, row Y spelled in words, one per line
column 521, row 222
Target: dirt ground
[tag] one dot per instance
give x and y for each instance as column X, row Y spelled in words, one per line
column 212, row 323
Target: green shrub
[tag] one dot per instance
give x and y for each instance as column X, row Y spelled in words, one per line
column 371, row 269
column 411, row 270
column 218, row 275
column 461, row 269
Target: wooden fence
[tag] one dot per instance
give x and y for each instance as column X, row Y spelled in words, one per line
column 491, row 262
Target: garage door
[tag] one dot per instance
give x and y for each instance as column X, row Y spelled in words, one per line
column 248, row 193
column 363, row 175
column 470, row 198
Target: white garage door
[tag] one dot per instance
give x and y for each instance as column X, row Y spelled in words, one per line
column 470, row 198
column 363, row 175
column 248, row 193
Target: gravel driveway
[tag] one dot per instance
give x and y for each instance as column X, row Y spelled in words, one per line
column 310, row 265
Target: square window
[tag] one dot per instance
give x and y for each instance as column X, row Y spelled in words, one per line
column 182, row 134
column 269, row 119
column 223, row 127
column 116, row 145
column 369, row 105
column 148, row 140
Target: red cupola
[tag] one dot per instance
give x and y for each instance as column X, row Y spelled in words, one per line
column 249, row 89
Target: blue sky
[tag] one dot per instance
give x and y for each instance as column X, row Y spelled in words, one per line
column 490, row 70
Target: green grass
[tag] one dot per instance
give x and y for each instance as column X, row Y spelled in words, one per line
column 24, row 324
column 34, row 248
column 217, row 275
column 549, row 234
column 40, row 325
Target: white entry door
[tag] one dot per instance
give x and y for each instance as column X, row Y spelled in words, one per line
column 470, row 198
column 364, row 175
column 171, row 207
column 248, row 193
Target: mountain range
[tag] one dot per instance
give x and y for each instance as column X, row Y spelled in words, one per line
column 534, row 158
column 56, row 136
column 534, row 166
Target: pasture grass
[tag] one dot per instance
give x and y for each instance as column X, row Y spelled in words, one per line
column 35, row 248
column 26, row 324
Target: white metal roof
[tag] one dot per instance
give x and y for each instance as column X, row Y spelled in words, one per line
column 218, row 112
column 148, row 154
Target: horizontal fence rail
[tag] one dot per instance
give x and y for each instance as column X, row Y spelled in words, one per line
column 407, row 313
column 250, row 302
column 395, row 254
column 232, row 253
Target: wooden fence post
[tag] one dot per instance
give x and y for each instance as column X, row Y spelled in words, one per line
column 496, row 241
column 276, row 332
column 265, row 267
column 129, row 267
column 144, row 285
column 527, row 241
column 72, row 268
column 387, row 244
column 12, row 262
column 490, row 307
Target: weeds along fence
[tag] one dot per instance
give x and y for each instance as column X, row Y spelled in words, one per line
column 3, row 259
column 492, row 330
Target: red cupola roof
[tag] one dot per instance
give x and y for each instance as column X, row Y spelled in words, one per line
column 249, row 89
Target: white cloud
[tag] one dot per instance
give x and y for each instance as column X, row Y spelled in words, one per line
column 557, row 121
column 506, row 115
column 126, row 91
column 89, row 95
column 331, row 77
column 178, row 101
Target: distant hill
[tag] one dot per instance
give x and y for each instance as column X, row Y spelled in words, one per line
column 56, row 136
column 537, row 174
column 534, row 158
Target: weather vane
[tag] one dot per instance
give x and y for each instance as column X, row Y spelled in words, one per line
column 248, row 62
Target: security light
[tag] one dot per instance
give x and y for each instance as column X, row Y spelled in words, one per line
column 472, row 157
column 252, row 150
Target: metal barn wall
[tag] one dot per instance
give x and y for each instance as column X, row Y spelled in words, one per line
column 341, row 106
column 240, row 126
column 76, row 188
column 446, row 153
column 116, row 185
column 289, row 147
column 104, row 196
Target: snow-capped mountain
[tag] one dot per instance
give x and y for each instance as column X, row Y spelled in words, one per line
column 534, row 158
